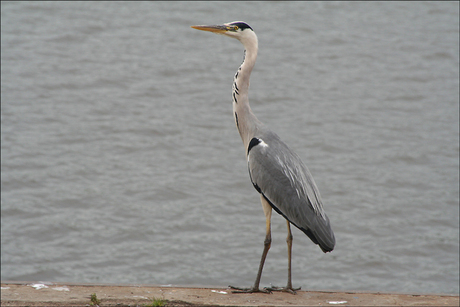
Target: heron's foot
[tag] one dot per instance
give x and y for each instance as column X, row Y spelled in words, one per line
column 249, row 290
column 283, row 289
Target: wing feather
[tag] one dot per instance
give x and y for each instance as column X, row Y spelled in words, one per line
column 279, row 174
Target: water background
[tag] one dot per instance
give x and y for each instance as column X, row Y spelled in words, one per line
column 121, row 163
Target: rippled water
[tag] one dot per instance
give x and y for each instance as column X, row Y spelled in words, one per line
column 120, row 161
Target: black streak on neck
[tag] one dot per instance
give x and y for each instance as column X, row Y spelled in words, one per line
column 234, row 98
column 236, row 120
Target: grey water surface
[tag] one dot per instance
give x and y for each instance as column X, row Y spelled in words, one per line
column 121, row 163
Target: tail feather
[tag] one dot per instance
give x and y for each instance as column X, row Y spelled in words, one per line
column 321, row 234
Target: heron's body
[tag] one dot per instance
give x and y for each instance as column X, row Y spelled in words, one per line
column 277, row 173
column 285, row 182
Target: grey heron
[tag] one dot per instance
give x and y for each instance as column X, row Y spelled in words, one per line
column 276, row 172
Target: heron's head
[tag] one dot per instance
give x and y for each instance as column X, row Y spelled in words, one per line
column 236, row 29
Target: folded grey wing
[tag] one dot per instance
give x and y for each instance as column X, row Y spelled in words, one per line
column 281, row 177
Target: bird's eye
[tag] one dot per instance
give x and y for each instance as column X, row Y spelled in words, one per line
column 236, row 28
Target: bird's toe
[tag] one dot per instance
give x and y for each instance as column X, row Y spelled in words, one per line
column 283, row 289
column 249, row 290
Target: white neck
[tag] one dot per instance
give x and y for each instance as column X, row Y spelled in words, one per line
column 247, row 123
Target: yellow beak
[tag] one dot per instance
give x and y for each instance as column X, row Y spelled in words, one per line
column 219, row 29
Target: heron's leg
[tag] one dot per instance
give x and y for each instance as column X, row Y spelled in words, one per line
column 268, row 239
column 289, row 244
column 288, row 287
